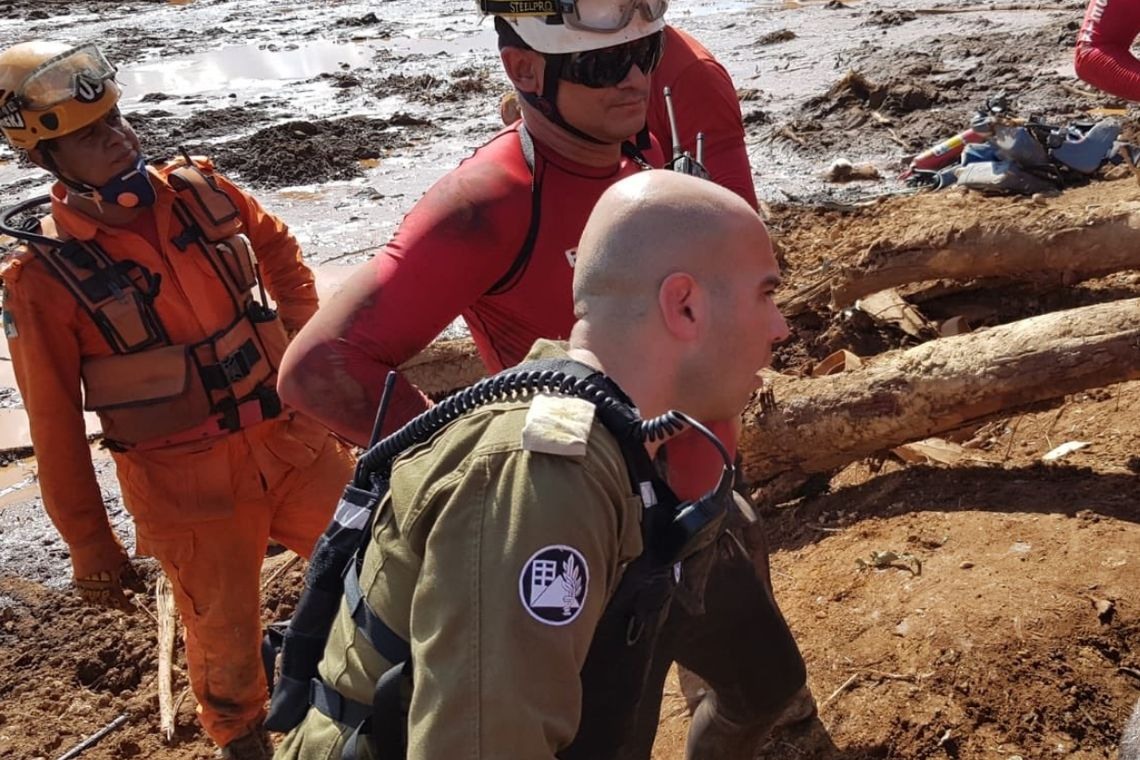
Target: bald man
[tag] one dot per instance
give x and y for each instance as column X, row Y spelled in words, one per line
column 518, row 554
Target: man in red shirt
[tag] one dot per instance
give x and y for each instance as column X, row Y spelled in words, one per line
column 704, row 102
column 1104, row 58
column 494, row 242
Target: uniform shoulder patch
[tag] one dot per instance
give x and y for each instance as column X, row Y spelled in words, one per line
column 554, row 583
column 558, row 425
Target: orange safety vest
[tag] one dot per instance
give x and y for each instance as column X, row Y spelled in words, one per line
column 152, row 393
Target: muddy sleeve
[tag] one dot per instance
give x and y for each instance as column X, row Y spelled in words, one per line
column 445, row 255
column 517, row 570
column 705, row 100
column 45, row 357
column 289, row 281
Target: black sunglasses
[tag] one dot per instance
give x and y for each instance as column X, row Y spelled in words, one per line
column 607, row 67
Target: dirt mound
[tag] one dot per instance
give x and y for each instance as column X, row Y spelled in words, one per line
column 895, row 97
column 1017, row 631
column 304, row 152
column 164, row 135
column 460, row 84
column 69, row 670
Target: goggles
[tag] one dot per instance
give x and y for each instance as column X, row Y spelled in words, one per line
column 584, row 15
column 77, row 74
column 608, row 67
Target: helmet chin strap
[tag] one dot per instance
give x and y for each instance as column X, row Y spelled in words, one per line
column 547, row 104
column 130, row 189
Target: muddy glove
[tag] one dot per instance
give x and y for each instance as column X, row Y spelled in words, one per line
column 105, row 588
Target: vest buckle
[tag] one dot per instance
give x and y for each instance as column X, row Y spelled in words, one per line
column 235, row 367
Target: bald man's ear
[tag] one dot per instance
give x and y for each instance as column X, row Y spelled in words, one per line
column 525, row 68
column 683, row 306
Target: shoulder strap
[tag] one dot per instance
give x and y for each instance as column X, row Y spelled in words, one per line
column 216, row 216
column 633, row 152
column 117, row 295
column 522, row 258
column 210, row 218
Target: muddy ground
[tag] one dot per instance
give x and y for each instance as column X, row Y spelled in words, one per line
column 1020, row 635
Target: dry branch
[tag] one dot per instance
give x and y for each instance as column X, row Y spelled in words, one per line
column 167, row 628
column 820, row 424
column 279, row 571
column 91, row 740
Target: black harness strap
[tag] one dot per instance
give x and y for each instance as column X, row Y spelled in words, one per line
column 389, row 644
column 334, row 705
column 526, row 250
column 522, row 258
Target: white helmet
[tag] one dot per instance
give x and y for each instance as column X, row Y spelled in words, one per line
column 574, row 26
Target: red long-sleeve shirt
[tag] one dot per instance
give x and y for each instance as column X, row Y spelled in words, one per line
column 456, row 243
column 1103, row 57
column 704, row 100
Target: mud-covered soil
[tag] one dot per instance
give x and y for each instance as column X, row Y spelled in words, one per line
column 896, row 103
column 1019, row 638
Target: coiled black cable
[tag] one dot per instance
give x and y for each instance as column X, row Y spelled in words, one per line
column 21, row 233
column 512, row 386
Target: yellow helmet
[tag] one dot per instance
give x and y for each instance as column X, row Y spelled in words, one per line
column 48, row 90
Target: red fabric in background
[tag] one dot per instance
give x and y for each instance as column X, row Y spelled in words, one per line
column 1104, row 58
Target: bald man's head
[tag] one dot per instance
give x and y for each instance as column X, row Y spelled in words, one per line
column 679, row 271
column 648, row 226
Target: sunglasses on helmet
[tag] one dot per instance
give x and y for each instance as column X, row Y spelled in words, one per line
column 607, row 67
column 75, row 74
column 585, row 15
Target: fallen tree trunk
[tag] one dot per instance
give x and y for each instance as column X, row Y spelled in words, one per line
column 1082, row 232
column 820, row 424
column 1066, row 257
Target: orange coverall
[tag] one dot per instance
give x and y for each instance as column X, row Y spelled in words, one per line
column 205, row 510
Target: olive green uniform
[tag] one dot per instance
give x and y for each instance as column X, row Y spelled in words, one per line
column 459, row 565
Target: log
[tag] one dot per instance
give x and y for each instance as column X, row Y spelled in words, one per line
column 820, row 424
column 1081, row 233
column 167, row 627
column 1067, row 257
column 94, row 738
